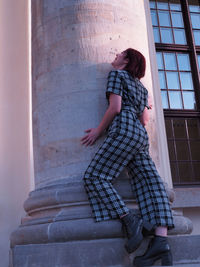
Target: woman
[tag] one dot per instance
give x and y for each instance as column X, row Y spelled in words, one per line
column 126, row 145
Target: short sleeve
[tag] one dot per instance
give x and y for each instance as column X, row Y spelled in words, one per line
column 144, row 101
column 114, row 84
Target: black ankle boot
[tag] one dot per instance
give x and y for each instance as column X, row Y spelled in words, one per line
column 158, row 249
column 133, row 226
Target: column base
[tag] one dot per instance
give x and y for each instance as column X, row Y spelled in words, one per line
column 59, row 229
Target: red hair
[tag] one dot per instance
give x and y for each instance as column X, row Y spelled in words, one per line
column 137, row 63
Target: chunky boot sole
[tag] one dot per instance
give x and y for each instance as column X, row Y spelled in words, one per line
column 134, row 242
column 166, row 260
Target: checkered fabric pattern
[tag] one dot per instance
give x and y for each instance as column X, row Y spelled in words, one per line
column 126, row 145
column 151, row 195
column 132, row 91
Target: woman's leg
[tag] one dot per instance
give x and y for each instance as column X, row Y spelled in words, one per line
column 113, row 155
column 154, row 207
column 161, row 231
column 151, row 195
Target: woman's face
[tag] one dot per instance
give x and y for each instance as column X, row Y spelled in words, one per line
column 120, row 60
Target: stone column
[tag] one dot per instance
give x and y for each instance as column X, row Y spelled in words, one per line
column 73, row 43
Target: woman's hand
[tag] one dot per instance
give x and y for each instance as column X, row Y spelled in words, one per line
column 113, row 109
column 91, row 137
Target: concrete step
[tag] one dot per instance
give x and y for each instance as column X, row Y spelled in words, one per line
column 188, row 265
column 182, row 265
column 185, row 250
column 100, row 253
column 179, row 265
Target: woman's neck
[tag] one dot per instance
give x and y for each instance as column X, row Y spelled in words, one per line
column 119, row 67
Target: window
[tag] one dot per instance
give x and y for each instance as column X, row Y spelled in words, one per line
column 176, row 80
column 176, row 27
column 168, row 22
column 194, row 9
column 184, row 149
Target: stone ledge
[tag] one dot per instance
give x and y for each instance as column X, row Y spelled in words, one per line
column 186, row 197
column 68, row 193
column 79, row 229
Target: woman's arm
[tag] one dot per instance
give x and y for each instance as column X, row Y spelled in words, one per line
column 113, row 109
column 144, row 118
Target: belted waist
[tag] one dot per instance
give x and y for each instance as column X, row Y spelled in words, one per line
column 129, row 108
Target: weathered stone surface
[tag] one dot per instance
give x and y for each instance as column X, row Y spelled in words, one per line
column 187, row 197
column 57, row 209
column 73, row 43
column 75, row 224
column 58, row 212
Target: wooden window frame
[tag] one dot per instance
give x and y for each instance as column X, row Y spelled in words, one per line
column 192, row 50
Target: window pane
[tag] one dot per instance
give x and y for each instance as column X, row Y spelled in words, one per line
column 182, row 150
column 193, row 128
column 199, row 61
column 185, row 171
column 165, row 103
column 196, row 167
column 168, row 127
column 179, row 128
column 159, row 60
column 179, row 35
column 152, row 4
column 164, row 18
column 171, row 150
column 162, row 4
column 170, row 61
column 154, row 18
column 195, row 21
column 172, row 80
column 186, row 80
column 195, row 148
column 156, row 35
column 174, row 172
column 197, row 37
column 189, row 100
column 175, row 5
column 166, row 35
column 177, row 20
column 183, row 62
column 175, row 100
column 162, row 80
column 194, row 5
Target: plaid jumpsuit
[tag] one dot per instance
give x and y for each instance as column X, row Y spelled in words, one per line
column 126, row 145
